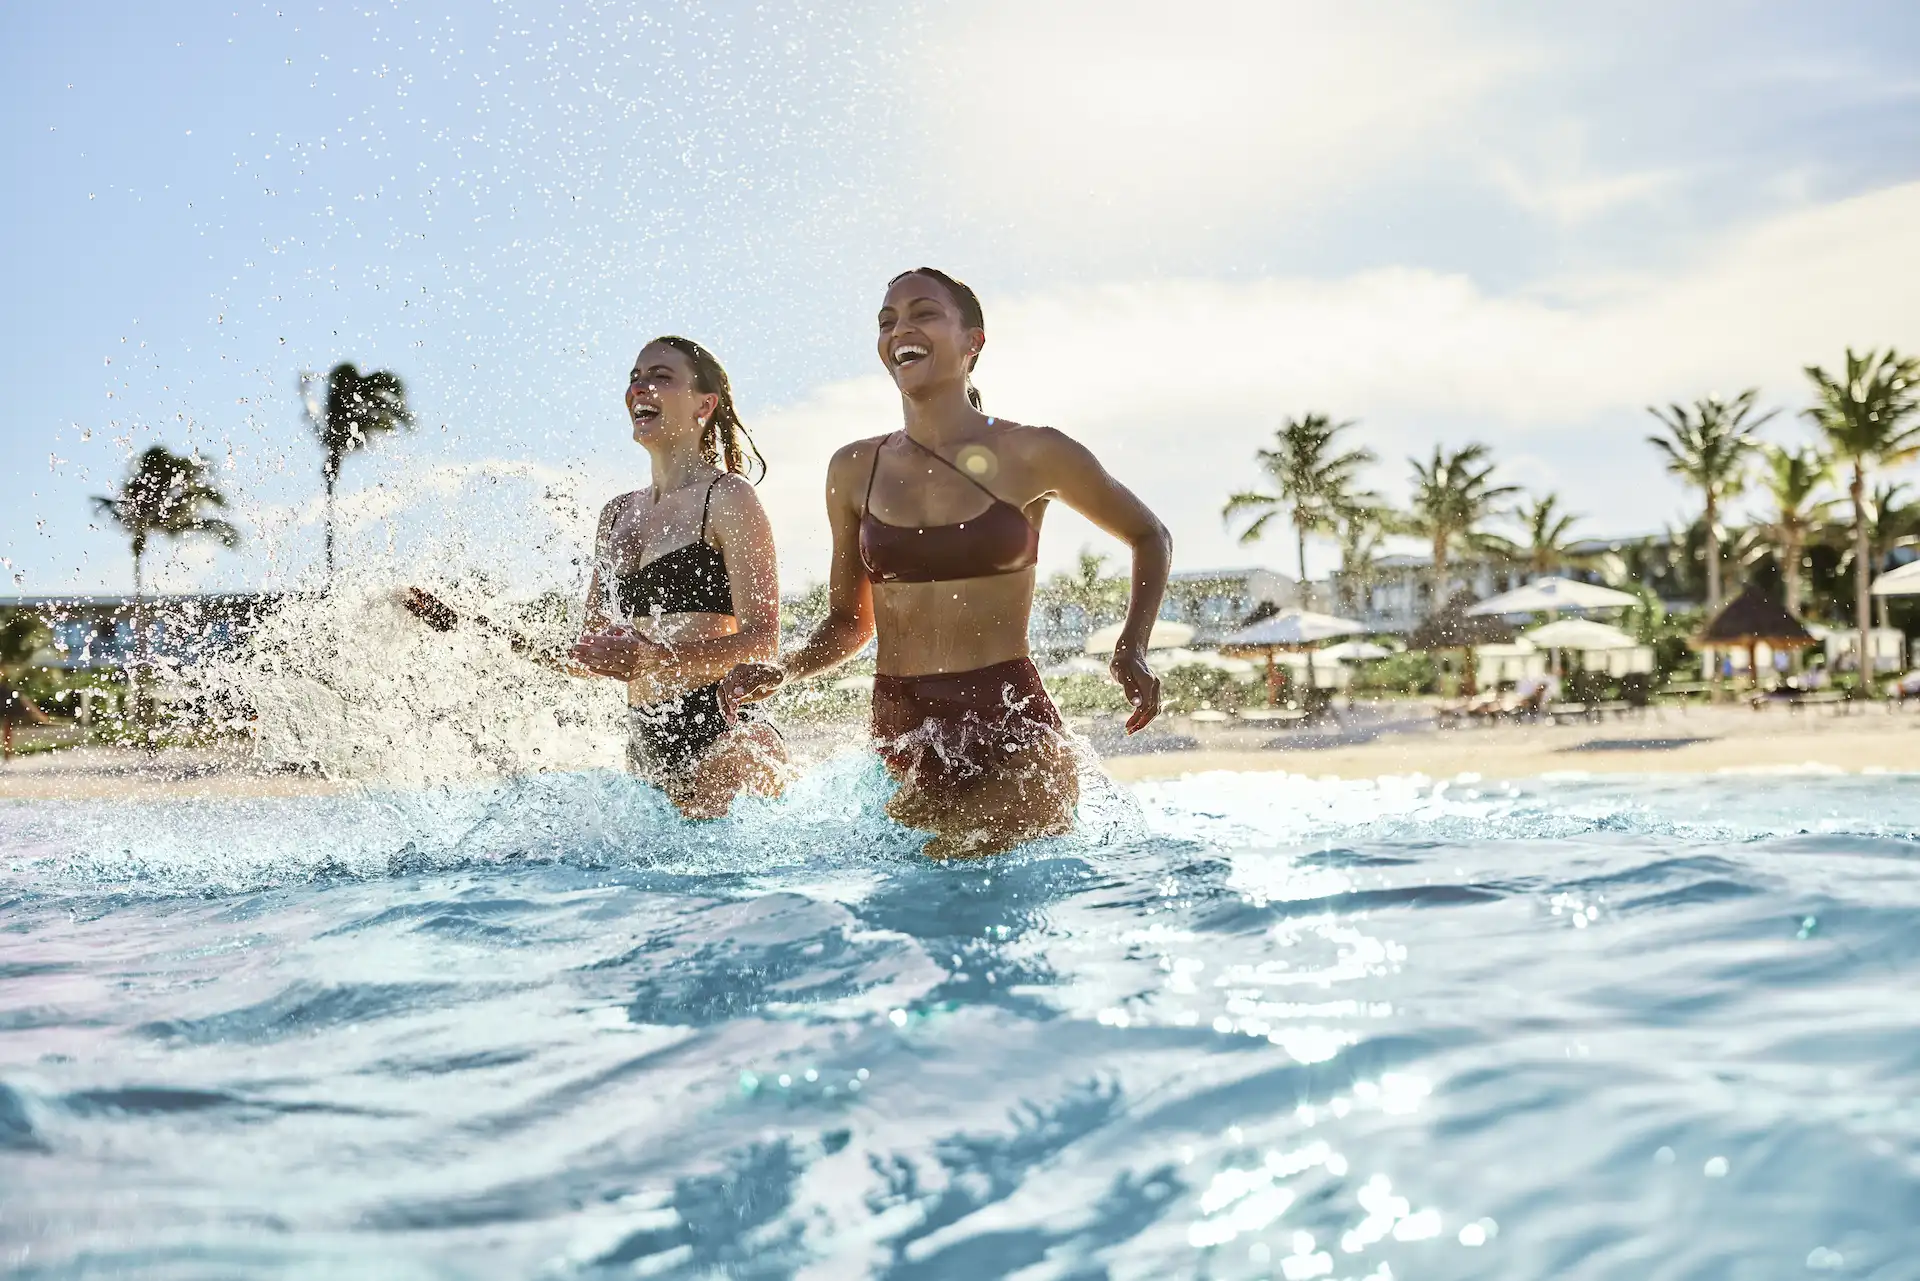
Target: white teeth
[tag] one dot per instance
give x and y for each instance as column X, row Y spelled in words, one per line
column 906, row 352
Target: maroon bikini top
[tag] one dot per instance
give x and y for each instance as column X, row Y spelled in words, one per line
column 1000, row 540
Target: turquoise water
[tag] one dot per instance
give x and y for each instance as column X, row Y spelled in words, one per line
column 1243, row 1026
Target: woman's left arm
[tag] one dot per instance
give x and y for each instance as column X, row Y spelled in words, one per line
column 737, row 524
column 1067, row 468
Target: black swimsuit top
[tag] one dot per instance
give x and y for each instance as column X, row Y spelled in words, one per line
column 1000, row 540
column 690, row 579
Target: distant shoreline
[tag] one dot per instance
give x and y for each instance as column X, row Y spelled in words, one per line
column 1699, row 741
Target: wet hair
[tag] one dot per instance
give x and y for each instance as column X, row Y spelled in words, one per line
column 725, row 442
column 970, row 314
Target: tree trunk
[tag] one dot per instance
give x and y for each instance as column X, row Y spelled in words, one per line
column 1790, row 570
column 332, row 477
column 136, row 687
column 1713, row 554
column 1862, row 575
column 1439, row 573
column 1300, row 550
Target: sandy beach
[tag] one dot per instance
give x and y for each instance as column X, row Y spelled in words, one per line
column 1672, row 740
column 1371, row 742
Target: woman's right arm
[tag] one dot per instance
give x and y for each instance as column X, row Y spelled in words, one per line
column 848, row 625
column 595, row 617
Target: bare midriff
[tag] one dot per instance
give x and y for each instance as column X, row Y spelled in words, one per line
column 927, row 629
column 679, row 629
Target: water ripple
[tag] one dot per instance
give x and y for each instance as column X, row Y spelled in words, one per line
column 1240, row 1027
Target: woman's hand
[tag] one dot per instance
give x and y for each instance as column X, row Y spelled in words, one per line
column 1142, row 687
column 623, row 654
column 748, row 683
column 428, row 608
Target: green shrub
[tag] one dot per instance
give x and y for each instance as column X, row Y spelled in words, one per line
column 1409, row 673
column 1186, row 689
column 1084, row 695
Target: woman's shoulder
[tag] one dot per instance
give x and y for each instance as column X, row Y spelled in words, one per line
column 731, row 489
column 857, row 453
column 614, row 507
column 1032, row 441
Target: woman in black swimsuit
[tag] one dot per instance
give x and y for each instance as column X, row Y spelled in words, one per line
column 684, row 588
column 959, row 713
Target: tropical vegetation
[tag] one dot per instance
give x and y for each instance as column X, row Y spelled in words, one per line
column 1867, row 417
column 1709, row 447
column 348, row 411
column 1311, row 478
column 169, row 496
column 1454, row 496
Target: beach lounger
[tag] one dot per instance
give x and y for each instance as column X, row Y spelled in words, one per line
column 1563, row 713
column 1284, row 716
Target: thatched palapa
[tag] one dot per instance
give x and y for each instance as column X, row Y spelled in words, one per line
column 1754, row 618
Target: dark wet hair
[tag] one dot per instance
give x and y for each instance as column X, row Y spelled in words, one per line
column 970, row 314
column 725, row 442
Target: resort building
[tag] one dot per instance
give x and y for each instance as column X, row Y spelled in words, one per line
column 95, row 633
column 1396, row 592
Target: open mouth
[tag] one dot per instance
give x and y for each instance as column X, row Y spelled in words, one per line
column 908, row 353
column 645, row 413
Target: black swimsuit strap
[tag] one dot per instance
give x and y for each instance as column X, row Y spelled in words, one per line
column 707, row 507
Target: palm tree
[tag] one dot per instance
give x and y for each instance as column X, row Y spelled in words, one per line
column 1792, row 479
column 356, row 407
column 1892, row 521
column 171, row 496
column 1546, row 528
column 1099, row 595
column 1360, row 529
column 1310, row 477
column 1708, row 447
column 1452, row 496
column 1866, row 418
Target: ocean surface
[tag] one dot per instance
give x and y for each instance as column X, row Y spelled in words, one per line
column 1240, row 1026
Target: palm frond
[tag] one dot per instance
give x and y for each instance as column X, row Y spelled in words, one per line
column 1252, row 533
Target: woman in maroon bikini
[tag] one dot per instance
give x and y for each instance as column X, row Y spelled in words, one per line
column 959, row 713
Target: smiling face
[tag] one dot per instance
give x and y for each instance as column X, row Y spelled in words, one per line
column 924, row 342
column 664, row 400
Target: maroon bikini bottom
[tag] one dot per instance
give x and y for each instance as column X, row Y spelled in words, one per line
column 952, row 727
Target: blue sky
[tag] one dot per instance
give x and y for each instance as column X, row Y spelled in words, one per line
column 1505, row 222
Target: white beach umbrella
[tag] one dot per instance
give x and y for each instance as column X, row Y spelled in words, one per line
column 1904, row 581
column 1077, row 665
column 1165, row 635
column 1552, row 595
column 1355, row 652
column 1580, row 634
column 1169, row 659
column 1294, row 627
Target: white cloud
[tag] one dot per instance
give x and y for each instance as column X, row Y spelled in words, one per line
column 1097, row 120
column 1174, row 383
